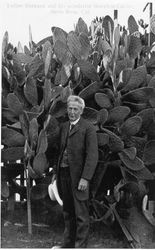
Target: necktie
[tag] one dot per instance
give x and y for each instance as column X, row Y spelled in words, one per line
column 71, row 126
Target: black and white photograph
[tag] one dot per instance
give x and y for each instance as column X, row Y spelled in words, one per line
column 77, row 124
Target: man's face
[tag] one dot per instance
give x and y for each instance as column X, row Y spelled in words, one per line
column 74, row 110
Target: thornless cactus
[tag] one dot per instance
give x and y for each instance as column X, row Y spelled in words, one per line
column 104, row 65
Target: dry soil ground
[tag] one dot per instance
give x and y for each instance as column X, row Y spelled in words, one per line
column 48, row 231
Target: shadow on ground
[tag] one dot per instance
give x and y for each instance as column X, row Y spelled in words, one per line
column 47, row 230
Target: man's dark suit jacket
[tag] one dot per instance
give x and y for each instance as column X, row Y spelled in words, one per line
column 82, row 151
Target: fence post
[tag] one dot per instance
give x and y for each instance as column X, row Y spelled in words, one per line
column 28, row 185
column 115, row 14
column 22, row 184
column 150, row 15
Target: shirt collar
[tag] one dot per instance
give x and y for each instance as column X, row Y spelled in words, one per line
column 75, row 122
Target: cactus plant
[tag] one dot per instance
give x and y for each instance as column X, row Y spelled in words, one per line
column 103, row 66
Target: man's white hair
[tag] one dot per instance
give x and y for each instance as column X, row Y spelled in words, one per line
column 75, row 98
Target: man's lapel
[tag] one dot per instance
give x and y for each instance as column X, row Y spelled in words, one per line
column 75, row 128
column 65, row 132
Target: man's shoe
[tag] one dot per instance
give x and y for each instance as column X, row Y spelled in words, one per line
column 63, row 246
column 56, row 246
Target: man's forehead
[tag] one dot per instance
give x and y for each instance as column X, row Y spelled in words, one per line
column 74, row 104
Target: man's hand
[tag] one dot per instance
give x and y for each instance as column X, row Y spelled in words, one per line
column 83, row 184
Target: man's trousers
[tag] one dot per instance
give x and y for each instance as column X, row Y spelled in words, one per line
column 76, row 214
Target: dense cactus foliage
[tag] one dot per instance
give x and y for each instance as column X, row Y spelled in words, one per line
column 113, row 69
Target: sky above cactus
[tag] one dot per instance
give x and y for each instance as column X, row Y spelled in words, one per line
column 16, row 15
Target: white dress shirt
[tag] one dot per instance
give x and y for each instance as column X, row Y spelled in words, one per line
column 74, row 122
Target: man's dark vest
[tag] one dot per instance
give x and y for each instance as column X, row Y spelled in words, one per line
column 64, row 161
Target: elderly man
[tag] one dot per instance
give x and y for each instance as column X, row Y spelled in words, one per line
column 76, row 165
